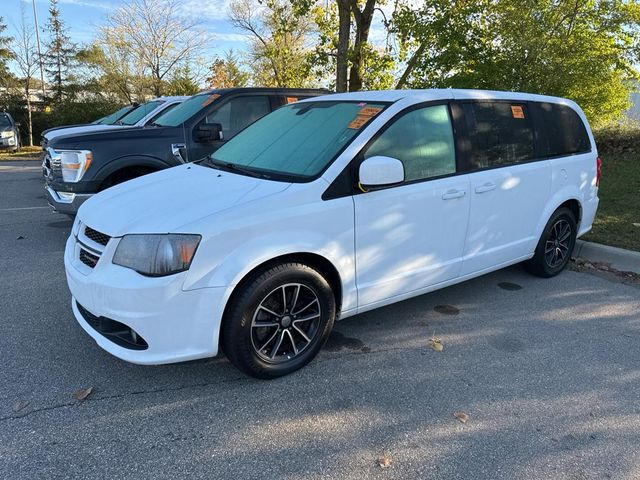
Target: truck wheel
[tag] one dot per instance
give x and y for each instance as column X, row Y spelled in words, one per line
column 278, row 321
column 555, row 245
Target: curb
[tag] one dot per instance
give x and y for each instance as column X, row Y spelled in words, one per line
column 619, row 258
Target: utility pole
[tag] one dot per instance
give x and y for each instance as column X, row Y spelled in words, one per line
column 35, row 16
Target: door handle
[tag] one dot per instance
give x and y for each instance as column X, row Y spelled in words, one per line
column 453, row 193
column 487, row 187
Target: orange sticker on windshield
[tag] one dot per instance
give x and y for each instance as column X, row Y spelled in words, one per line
column 291, row 99
column 369, row 111
column 517, row 111
column 210, row 99
column 358, row 122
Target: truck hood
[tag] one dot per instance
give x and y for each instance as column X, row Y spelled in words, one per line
column 48, row 136
column 164, row 201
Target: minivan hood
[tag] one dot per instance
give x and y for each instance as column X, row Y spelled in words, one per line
column 164, row 201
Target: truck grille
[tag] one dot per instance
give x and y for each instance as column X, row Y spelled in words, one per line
column 96, row 236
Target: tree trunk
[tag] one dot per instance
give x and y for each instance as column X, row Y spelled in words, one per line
column 29, row 121
column 344, row 27
column 363, row 20
column 410, row 66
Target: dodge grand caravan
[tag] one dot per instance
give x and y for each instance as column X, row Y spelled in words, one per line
column 327, row 208
column 77, row 166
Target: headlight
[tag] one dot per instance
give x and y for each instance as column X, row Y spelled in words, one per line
column 156, row 255
column 6, row 134
column 74, row 163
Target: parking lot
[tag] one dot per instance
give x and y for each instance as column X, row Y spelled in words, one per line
column 548, row 372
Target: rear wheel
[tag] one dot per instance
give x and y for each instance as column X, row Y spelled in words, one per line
column 555, row 245
column 279, row 320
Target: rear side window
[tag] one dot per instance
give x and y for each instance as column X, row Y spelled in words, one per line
column 238, row 113
column 422, row 140
column 499, row 133
column 560, row 130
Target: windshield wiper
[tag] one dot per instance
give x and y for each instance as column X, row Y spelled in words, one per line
column 232, row 167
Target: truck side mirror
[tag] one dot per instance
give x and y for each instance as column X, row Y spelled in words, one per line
column 209, row 132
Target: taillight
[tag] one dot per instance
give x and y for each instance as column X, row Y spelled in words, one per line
column 598, row 171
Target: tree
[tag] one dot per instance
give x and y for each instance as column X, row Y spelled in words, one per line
column 155, row 33
column 226, row 72
column 25, row 55
column 5, row 54
column 583, row 50
column 60, row 52
column 182, row 82
column 279, row 53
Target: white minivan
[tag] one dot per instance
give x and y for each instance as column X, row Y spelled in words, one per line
column 324, row 209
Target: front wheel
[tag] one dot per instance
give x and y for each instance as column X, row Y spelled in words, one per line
column 278, row 321
column 555, row 245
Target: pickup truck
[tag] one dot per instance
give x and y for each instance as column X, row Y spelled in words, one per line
column 78, row 166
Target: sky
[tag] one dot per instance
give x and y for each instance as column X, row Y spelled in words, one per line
column 83, row 17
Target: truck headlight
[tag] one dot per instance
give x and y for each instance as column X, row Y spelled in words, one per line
column 157, row 255
column 8, row 134
column 74, row 163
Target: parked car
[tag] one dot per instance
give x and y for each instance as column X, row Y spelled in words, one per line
column 137, row 116
column 327, row 208
column 9, row 133
column 78, row 166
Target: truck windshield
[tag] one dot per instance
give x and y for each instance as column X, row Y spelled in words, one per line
column 117, row 115
column 134, row 116
column 187, row 109
column 4, row 121
column 297, row 141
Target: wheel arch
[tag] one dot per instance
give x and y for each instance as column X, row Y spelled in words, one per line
column 320, row 263
column 131, row 162
column 570, row 198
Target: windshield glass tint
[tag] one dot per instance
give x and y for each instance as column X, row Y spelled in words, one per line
column 298, row 140
column 110, row 119
column 187, row 109
column 134, row 117
column 4, row 121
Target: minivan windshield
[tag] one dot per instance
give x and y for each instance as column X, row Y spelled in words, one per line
column 296, row 141
column 109, row 119
column 187, row 109
column 134, row 116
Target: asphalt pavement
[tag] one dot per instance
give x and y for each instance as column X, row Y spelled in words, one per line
column 548, row 372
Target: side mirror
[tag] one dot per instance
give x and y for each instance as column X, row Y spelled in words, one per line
column 209, row 132
column 380, row 171
column 17, row 124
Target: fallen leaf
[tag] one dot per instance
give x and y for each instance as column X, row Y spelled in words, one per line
column 463, row 417
column 436, row 344
column 384, row 461
column 20, row 405
column 82, row 394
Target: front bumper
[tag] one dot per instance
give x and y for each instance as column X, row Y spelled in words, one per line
column 68, row 203
column 177, row 325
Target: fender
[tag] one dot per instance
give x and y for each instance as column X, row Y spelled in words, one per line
column 112, row 166
column 230, row 268
column 566, row 193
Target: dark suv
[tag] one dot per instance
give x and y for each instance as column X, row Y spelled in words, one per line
column 9, row 133
column 78, row 166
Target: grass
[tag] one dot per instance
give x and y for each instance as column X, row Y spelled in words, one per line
column 25, row 153
column 619, row 202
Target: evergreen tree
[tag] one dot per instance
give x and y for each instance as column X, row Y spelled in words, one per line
column 5, row 54
column 60, row 52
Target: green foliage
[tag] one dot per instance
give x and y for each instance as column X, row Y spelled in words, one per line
column 618, row 137
column 5, row 54
column 585, row 51
column 227, row 72
column 182, row 82
column 59, row 54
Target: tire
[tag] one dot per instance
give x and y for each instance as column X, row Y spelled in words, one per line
column 555, row 245
column 278, row 321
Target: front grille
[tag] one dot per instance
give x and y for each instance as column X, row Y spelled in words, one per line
column 115, row 331
column 96, row 236
column 89, row 259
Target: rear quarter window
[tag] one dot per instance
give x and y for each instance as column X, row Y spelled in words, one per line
column 499, row 133
column 560, row 130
